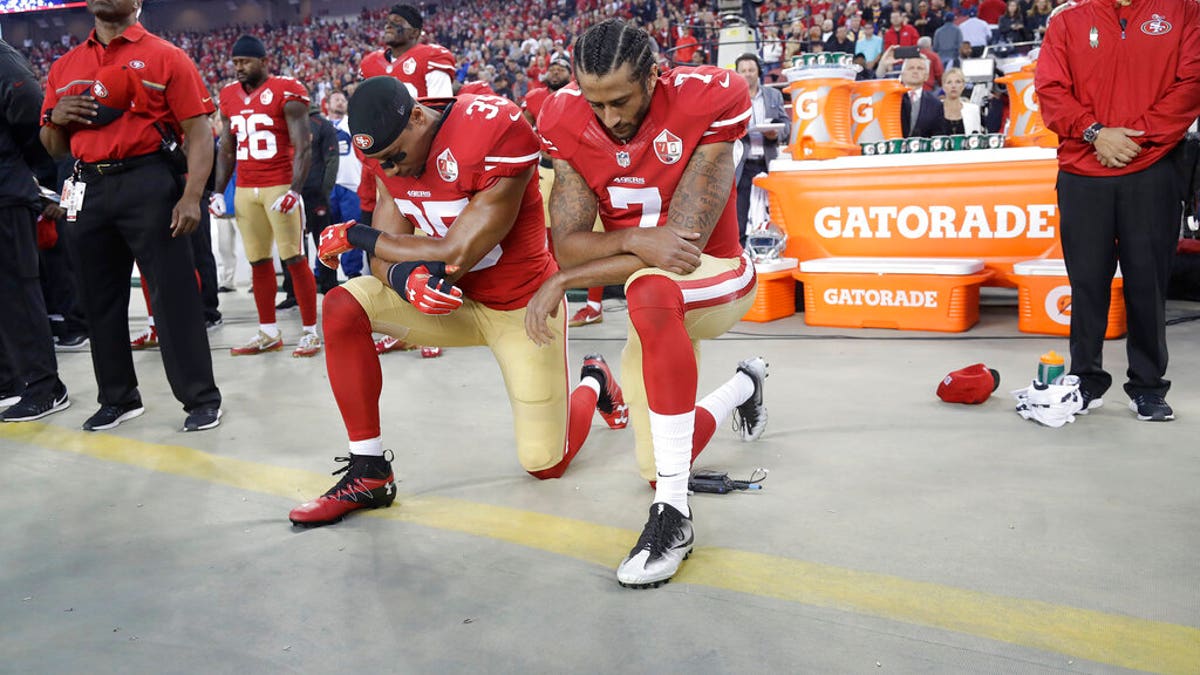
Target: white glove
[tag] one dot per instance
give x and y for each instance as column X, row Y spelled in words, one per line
column 216, row 205
column 288, row 202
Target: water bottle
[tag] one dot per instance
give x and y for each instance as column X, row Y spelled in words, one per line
column 1050, row 367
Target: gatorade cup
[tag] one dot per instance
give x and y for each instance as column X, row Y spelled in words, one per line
column 1050, row 367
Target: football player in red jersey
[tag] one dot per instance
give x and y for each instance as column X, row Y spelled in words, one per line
column 653, row 153
column 462, row 170
column 558, row 75
column 428, row 71
column 266, row 128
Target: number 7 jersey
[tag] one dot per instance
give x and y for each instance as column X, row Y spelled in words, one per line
column 635, row 181
column 257, row 121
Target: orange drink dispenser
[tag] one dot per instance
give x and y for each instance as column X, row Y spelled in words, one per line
column 1025, row 124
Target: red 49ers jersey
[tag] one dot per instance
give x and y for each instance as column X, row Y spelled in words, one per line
column 411, row 67
column 635, row 181
column 256, row 119
column 481, row 140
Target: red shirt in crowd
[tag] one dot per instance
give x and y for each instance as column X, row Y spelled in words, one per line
column 907, row 36
column 1145, row 77
column 172, row 84
column 991, row 10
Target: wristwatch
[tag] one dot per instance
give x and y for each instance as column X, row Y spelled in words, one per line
column 1090, row 133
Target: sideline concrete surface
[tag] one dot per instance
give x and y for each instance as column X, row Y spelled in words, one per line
column 894, row 533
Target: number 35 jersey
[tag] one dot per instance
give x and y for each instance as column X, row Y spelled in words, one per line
column 481, row 140
column 635, row 181
column 256, row 119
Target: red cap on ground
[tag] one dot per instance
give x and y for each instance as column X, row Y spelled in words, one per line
column 973, row 384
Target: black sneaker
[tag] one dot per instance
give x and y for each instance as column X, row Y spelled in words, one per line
column 225, row 289
column 368, row 483
column 202, row 418
column 665, row 543
column 28, row 409
column 212, row 324
column 1151, row 408
column 72, row 343
column 9, row 398
column 287, row 303
column 750, row 418
column 109, row 416
column 1090, row 401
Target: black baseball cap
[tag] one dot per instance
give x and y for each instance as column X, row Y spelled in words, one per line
column 379, row 111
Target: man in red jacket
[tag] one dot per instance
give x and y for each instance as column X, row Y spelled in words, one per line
column 1120, row 84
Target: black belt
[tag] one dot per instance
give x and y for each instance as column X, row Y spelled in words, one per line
column 114, row 166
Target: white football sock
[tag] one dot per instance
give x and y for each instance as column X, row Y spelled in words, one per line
column 371, row 446
column 270, row 329
column 591, row 383
column 311, row 329
column 721, row 402
column 673, row 457
column 594, row 305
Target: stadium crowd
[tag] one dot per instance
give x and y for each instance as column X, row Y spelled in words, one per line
column 510, row 45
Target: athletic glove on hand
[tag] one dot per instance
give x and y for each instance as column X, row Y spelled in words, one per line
column 334, row 243
column 288, row 202
column 424, row 286
column 216, row 205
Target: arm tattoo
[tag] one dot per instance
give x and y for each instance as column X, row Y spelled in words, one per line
column 572, row 203
column 703, row 190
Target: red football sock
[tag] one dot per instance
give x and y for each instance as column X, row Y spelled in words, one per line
column 579, row 424
column 668, row 363
column 706, row 426
column 304, row 286
column 595, row 295
column 265, row 285
column 354, row 373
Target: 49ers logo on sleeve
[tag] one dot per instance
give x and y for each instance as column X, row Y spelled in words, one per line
column 668, row 147
column 266, row 97
column 363, row 141
column 1157, row 25
column 409, row 66
column 447, row 166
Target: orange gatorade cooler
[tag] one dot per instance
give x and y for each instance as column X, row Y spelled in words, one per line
column 1025, row 124
column 875, row 110
column 1045, row 299
column 938, row 294
column 775, row 297
column 821, row 117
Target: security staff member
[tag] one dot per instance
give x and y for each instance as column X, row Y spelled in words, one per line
column 29, row 384
column 1120, row 84
column 130, row 202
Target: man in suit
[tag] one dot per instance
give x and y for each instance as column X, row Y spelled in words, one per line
column 921, row 112
column 760, row 147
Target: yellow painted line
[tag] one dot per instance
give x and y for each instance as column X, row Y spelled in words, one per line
column 1113, row 639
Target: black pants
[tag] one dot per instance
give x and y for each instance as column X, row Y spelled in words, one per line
column 750, row 169
column 1133, row 219
column 206, row 264
column 27, row 362
column 59, row 285
column 127, row 217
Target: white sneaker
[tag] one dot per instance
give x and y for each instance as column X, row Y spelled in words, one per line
column 310, row 345
column 665, row 543
column 750, row 418
column 261, row 342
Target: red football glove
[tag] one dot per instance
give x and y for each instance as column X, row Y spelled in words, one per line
column 288, row 202
column 334, row 244
column 425, row 287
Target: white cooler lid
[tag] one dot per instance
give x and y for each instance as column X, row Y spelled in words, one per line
column 849, row 265
column 1045, row 267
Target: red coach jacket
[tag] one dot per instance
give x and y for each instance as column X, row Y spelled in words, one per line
column 1143, row 75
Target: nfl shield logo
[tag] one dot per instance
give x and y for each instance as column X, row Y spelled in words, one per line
column 447, row 166
column 623, row 159
column 668, row 147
